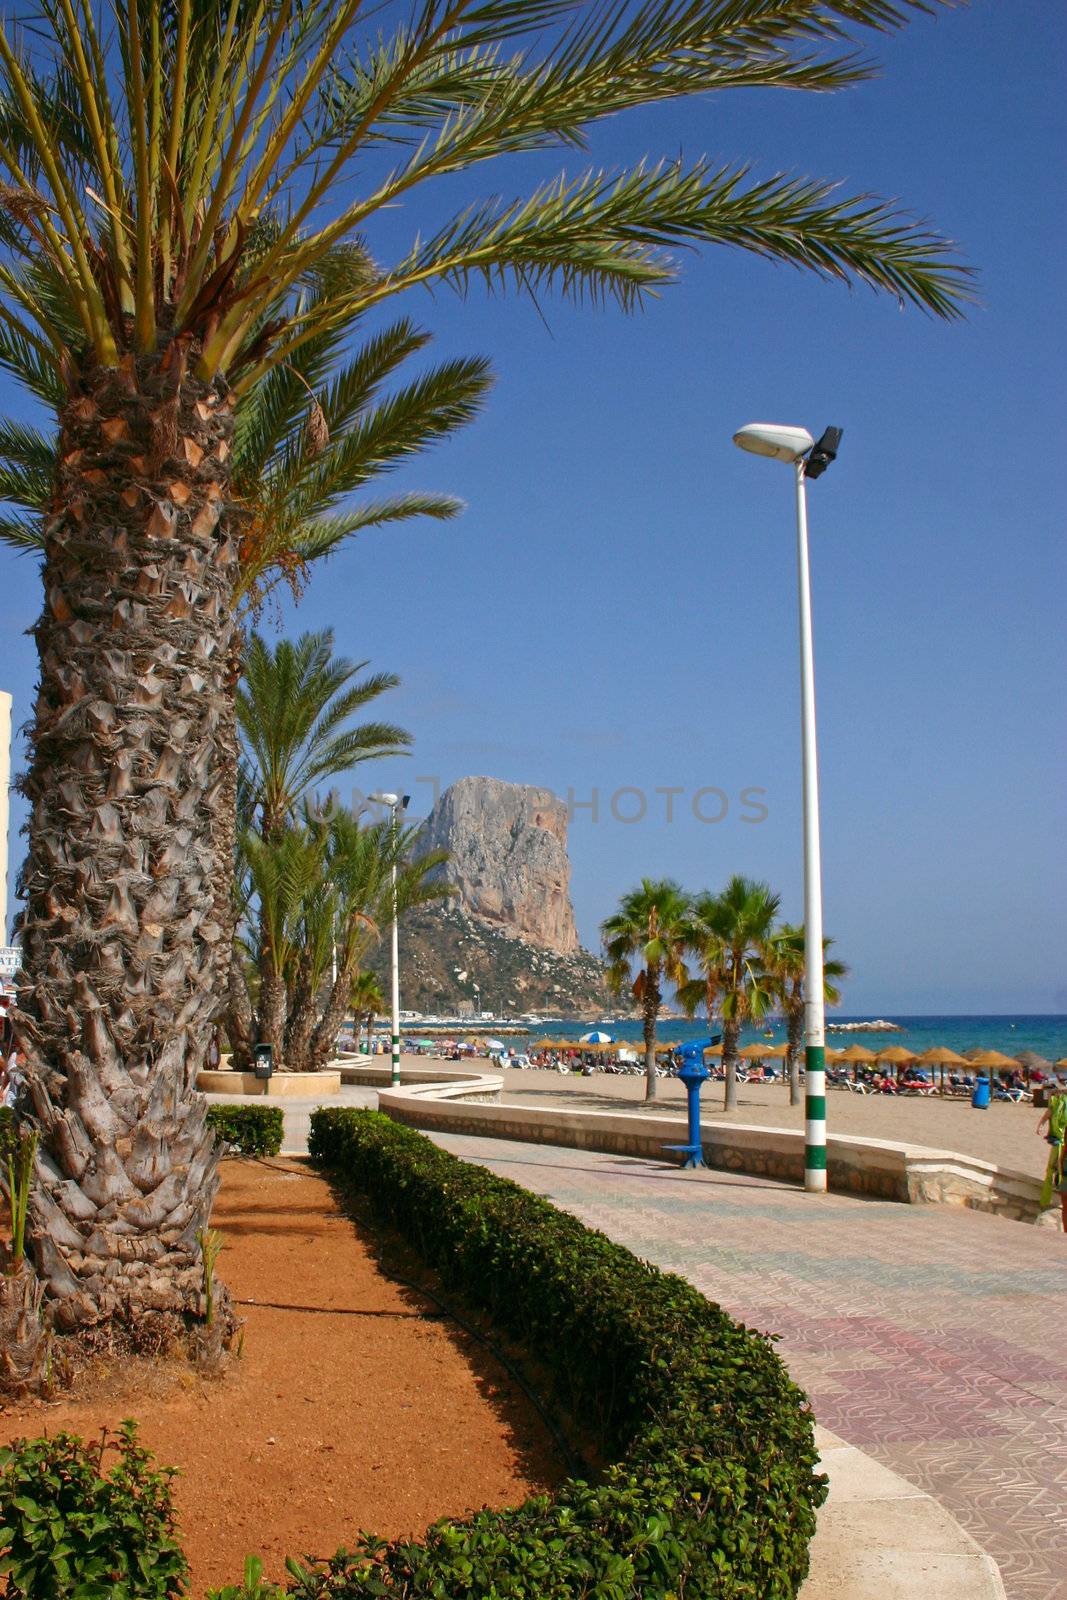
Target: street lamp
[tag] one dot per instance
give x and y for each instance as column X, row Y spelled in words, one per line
column 809, row 460
column 396, row 804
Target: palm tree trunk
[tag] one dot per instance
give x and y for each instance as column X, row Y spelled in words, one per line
column 796, row 1041
column 273, row 1007
column 226, row 826
column 323, row 1043
column 300, row 1024
column 731, row 1032
column 240, row 1019
column 120, row 947
column 651, row 1004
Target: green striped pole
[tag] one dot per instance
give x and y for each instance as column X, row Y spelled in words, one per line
column 394, row 1076
column 814, row 1035
column 396, row 805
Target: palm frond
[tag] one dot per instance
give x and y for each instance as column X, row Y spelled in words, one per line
column 22, row 534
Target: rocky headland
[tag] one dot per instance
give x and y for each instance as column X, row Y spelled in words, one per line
column 506, row 941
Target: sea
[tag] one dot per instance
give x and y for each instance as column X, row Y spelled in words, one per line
column 1044, row 1034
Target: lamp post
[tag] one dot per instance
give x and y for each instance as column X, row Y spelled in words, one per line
column 809, row 460
column 396, row 804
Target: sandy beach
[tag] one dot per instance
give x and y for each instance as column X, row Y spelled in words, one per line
column 1004, row 1133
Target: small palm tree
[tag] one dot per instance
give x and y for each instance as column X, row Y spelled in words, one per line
column 649, row 928
column 729, row 935
column 295, row 711
column 786, row 967
column 324, row 887
column 368, row 1002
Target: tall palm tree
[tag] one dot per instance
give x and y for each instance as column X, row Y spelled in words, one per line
column 785, row 959
column 729, row 935
column 648, row 929
column 173, row 190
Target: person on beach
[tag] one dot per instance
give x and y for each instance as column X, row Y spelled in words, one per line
column 11, row 1082
column 1054, row 1117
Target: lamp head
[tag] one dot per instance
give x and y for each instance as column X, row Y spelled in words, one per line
column 383, row 799
column 775, row 439
column 823, row 453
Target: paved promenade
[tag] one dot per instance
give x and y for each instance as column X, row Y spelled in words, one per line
column 931, row 1338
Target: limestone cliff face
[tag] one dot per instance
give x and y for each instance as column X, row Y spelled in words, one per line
column 507, row 848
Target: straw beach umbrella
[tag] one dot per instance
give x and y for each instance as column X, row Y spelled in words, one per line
column 896, row 1056
column 992, row 1060
column 939, row 1055
column 857, row 1055
column 1031, row 1062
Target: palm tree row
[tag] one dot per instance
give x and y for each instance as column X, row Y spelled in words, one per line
column 184, row 199
column 747, row 966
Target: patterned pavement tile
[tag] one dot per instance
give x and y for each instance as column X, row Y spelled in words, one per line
column 930, row 1337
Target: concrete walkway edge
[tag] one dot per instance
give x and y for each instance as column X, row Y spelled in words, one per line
column 881, row 1538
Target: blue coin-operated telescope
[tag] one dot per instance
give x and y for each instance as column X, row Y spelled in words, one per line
column 693, row 1073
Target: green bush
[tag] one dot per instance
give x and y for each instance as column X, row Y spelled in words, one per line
column 711, row 1490
column 68, row 1531
column 250, row 1130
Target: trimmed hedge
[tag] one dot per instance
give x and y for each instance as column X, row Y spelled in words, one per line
column 250, row 1130
column 711, row 1491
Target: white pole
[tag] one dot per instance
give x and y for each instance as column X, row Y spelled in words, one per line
column 5, row 780
column 395, row 1074
column 814, row 1034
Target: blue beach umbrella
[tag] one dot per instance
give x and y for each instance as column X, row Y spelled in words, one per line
column 596, row 1037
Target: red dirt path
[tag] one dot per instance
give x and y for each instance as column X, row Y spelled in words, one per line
column 349, row 1408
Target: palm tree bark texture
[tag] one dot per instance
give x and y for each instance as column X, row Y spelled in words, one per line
column 122, row 939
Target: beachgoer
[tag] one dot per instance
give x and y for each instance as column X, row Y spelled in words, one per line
column 1054, row 1117
column 12, row 1079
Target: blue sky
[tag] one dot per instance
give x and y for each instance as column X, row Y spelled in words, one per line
column 616, row 610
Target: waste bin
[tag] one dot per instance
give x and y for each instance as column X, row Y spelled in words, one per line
column 980, row 1097
column 263, row 1061
column 1040, row 1096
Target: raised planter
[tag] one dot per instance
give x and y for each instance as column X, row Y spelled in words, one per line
column 287, row 1085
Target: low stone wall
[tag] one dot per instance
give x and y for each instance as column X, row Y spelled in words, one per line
column 286, row 1085
column 379, row 1077
column 877, row 1168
